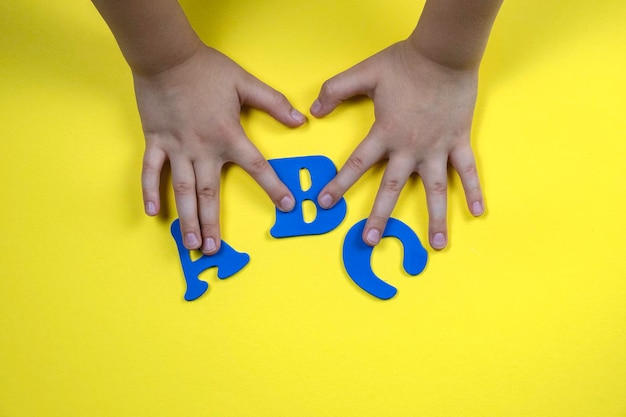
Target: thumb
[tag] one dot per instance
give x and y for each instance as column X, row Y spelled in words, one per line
column 350, row 83
column 263, row 97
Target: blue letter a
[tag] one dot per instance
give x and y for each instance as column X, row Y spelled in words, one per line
column 227, row 260
column 321, row 170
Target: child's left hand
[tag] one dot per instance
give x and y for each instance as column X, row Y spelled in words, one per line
column 424, row 114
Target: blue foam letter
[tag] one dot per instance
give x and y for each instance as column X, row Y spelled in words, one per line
column 357, row 257
column 322, row 170
column 227, row 260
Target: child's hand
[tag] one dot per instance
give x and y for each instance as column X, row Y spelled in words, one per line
column 191, row 117
column 423, row 120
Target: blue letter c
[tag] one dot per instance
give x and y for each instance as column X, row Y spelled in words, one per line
column 357, row 257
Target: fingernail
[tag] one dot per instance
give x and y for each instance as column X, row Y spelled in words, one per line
column 286, row 204
column 373, row 237
column 477, row 208
column 151, row 208
column 439, row 241
column 316, row 106
column 326, row 201
column 192, row 240
column 297, row 116
column 209, row 245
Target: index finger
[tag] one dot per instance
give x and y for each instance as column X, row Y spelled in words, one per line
column 254, row 163
column 364, row 156
column 395, row 177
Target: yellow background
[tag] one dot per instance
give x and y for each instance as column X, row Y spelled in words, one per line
column 524, row 314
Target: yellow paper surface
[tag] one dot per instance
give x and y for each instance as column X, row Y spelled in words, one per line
column 524, row 314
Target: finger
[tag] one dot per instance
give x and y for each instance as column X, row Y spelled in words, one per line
column 462, row 159
column 394, row 179
column 364, row 156
column 208, row 196
column 350, row 83
column 434, row 177
column 246, row 155
column 184, row 183
column 153, row 160
column 263, row 97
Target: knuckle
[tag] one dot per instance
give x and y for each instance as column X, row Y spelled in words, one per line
column 188, row 225
column 355, row 163
column 153, row 140
column 227, row 133
column 377, row 221
column 438, row 188
column 182, row 187
column 210, row 228
column 278, row 99
column 149, row 167
column 334, row 190
column 468, row 170
column 148, row 187
column 437, row 222
column 392, row 186
column 207, row 193
column 474, row 192
column 329, row 88
column 258, row 165
column 389, row 127
column 221, row 130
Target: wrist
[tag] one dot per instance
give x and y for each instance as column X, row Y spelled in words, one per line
column 454, row 33
column 443, row 53
column 164, row 59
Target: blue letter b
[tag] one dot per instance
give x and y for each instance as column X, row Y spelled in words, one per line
column 321, row 170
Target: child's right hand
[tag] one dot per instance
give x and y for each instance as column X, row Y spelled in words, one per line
column 191, row 116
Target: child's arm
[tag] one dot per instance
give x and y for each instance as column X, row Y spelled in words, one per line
column 189, row 98
column 424, row 92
